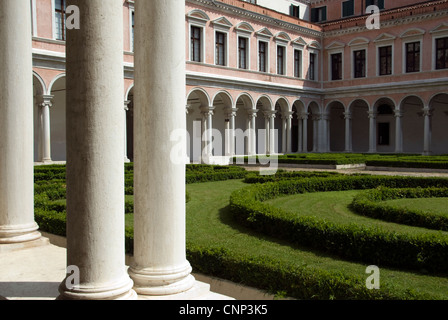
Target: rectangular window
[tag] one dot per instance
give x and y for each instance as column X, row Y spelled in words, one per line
column 413, row 56
column 383, row 134
column 280, row 60
column 196, row 44
column 294, row 11
column 262, row 56
column 336, row 66
column 220, row 48
column 348, row 8
column 378, row 3
column 312, row 67
column 59, row 14
column 242, row 53
column 442, row 53
column 297, row 63
column 359, row 60
column 385, row 56
column 319, row 14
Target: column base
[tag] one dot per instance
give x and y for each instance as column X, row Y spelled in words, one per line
column 199, row 291
column 151, row 282
column 41, row 241
column 119, row 291
column 19, row 233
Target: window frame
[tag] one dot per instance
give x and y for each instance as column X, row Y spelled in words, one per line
column 298, row 73
column 342, row 8
column 314, row 66
column 391, row 66
column 64, row 17
column 435, row 39
column 224, row 48
column 405, row 53
column 354, row 61
column 330, row 69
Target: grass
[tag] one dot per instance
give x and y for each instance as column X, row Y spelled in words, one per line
column 333, row 206
column 436, row 206
column 209, row 224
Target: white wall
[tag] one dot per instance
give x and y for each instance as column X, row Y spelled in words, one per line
column 283, row 6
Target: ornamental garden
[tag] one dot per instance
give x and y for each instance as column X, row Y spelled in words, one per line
column 303, row 234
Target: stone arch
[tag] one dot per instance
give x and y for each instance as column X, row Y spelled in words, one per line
column 57, row 89
column 438, row 117
column 412, row 124
column 358, row 110
column 297, row 134
column 244, row 105
column 222, row 104
column 335, row 113
column 387, row 129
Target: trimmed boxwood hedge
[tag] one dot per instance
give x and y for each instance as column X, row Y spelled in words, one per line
column 368, row 203
column 354, row 242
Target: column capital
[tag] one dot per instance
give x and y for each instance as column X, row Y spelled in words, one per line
column 45, row 100
column 398, row 113
column 270, row 114
column 428, row 112
column 347, row 115
column 287, row 115
column 230, row 113
column 208, row 111
column 372, row 114
column 303, row 116
column 126, row 105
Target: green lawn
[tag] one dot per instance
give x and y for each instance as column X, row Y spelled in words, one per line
column 209, row 224
column 437, row 206
column 333, row 207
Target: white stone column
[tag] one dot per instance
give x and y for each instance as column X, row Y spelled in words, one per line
column 304, row 118
column 289, row 132
column 326, row 132
column 230, row 132
column 160, row 267
column 126, row 109
column 348, row 132
column 316, row 131
column 44, row 103
column 372, row 131
column 267, row 132
column 252, row 116
column 427, row 113
column 284, row 134
column 398, row 114
column 271, row 133
column 95, row 170
column 17, row 223
column 207, row 133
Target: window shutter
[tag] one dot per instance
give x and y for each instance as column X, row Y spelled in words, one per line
column 313, row 14
column 381, row 4
column 324, row 14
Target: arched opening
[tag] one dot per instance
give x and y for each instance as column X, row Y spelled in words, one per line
column 412, row 124
column 57, row 120
column 337, row 126
column 197, row 101
column 223, row 106
column 244, row 104
column 130, row 125
column 38, row 91
column 280, row 126
column 386, row 132
column 314, row 117
column 264, row 107
column 297, row 127
column 358, row 110
column 438, row 123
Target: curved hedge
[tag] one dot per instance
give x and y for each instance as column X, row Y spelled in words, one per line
column 354, row 242
column 367, row 203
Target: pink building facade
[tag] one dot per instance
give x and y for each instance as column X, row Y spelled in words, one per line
column 264, row 81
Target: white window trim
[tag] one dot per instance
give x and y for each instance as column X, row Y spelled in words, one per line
column 410, row 40
column 226, row 58
column 377, row 48
column 352, row 58
column 203, row 42
column 285, row 58
column 331, row 52
column 317, row 69
column 248, row 51
column 436, row 35
column 53, row 19
column 131, row 39
column 34, row 18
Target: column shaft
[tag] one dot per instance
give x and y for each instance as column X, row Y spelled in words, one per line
column 372, row 132
column 160, row 267
column 16, row 125
column 95, row 169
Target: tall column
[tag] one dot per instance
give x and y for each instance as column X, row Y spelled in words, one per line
column 398, row 114
column 372, row 131
column 160, row 267
column 44, row 104
column 230, row 132
column 126, row 109
column 252, row 115
column 95, row 170
column 284, row 135
column 289, row 132
column 427, row 113
column 272, row 132
column 316, row 131
column 304, row 118
column 267, row 132
column 326, row 132
column 16, row 125
column 207, row 133
column 348, row 131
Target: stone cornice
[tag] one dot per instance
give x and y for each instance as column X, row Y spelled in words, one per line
column 229, row 9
